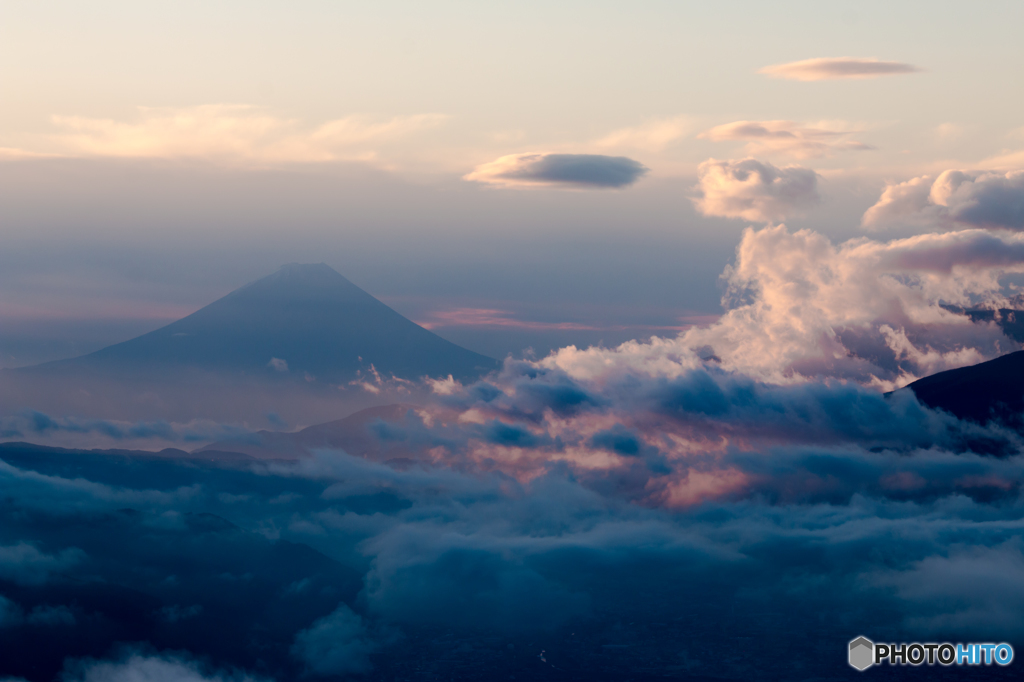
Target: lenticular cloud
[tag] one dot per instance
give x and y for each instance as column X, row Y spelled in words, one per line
column 544, row 169
column 831, row 68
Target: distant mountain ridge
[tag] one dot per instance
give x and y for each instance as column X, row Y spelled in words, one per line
column 304, row 320
column 992, row 390
column 353, row 434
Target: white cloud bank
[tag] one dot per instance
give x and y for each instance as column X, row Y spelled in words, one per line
column 787, row 138
column 830, row 68
column 800, row 307
column 754, row 190
column 955, row 198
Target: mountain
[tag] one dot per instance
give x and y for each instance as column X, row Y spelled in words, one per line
column 375, row 432
column 304, row 321
column 983, row 392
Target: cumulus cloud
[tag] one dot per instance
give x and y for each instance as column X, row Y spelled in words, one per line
column 545, row 169
column 232, row 132
column 653, row 136
column 954, row 199
column 786, row 137
column 800, row 306
column 754, row 190
column 827, row 68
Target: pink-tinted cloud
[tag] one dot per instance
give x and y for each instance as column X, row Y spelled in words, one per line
column 232, row 132
column 491, row 317
column 787, row 138
column 955, row 198
column 754, row 190
column 830, row 68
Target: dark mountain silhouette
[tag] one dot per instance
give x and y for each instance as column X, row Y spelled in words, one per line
column 992, row 390
column 306, row 321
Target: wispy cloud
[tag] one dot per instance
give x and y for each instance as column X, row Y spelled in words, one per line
column 15, row 154
column 830, row 68
column 653, row 136
column 233, row 132
column 496, row 318
column 787, row 138
column 545, row 169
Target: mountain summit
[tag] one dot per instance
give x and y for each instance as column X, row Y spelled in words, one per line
column 301, row 320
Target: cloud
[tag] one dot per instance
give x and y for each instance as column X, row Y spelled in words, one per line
column 34, row 424
column 546, row 169
column 148, row 668
column 799, row 306
column 26, row 565
column 51, row 616
column 838, row 67
column 786, row 137
column 489, row 317
column 338, row 644
column 10, row 613
column 278, row 364
column 754, row 190
column 653, row 136
column 973, row 588
column 14, row 154
column 495, row 318
column 664, row 486
column 956, row 198
column 233, row 133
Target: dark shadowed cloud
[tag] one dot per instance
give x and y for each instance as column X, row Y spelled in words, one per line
column 956, row 198
column 828, row 68
column 543, row 169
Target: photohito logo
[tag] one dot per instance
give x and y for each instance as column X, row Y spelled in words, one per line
column 864, row 653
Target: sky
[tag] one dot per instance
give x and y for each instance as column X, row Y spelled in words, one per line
column 155, row 157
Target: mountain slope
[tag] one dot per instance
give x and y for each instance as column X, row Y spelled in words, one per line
column 988, row 390
column 303, row 319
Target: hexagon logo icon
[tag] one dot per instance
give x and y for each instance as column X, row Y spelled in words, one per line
column 862, row 653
